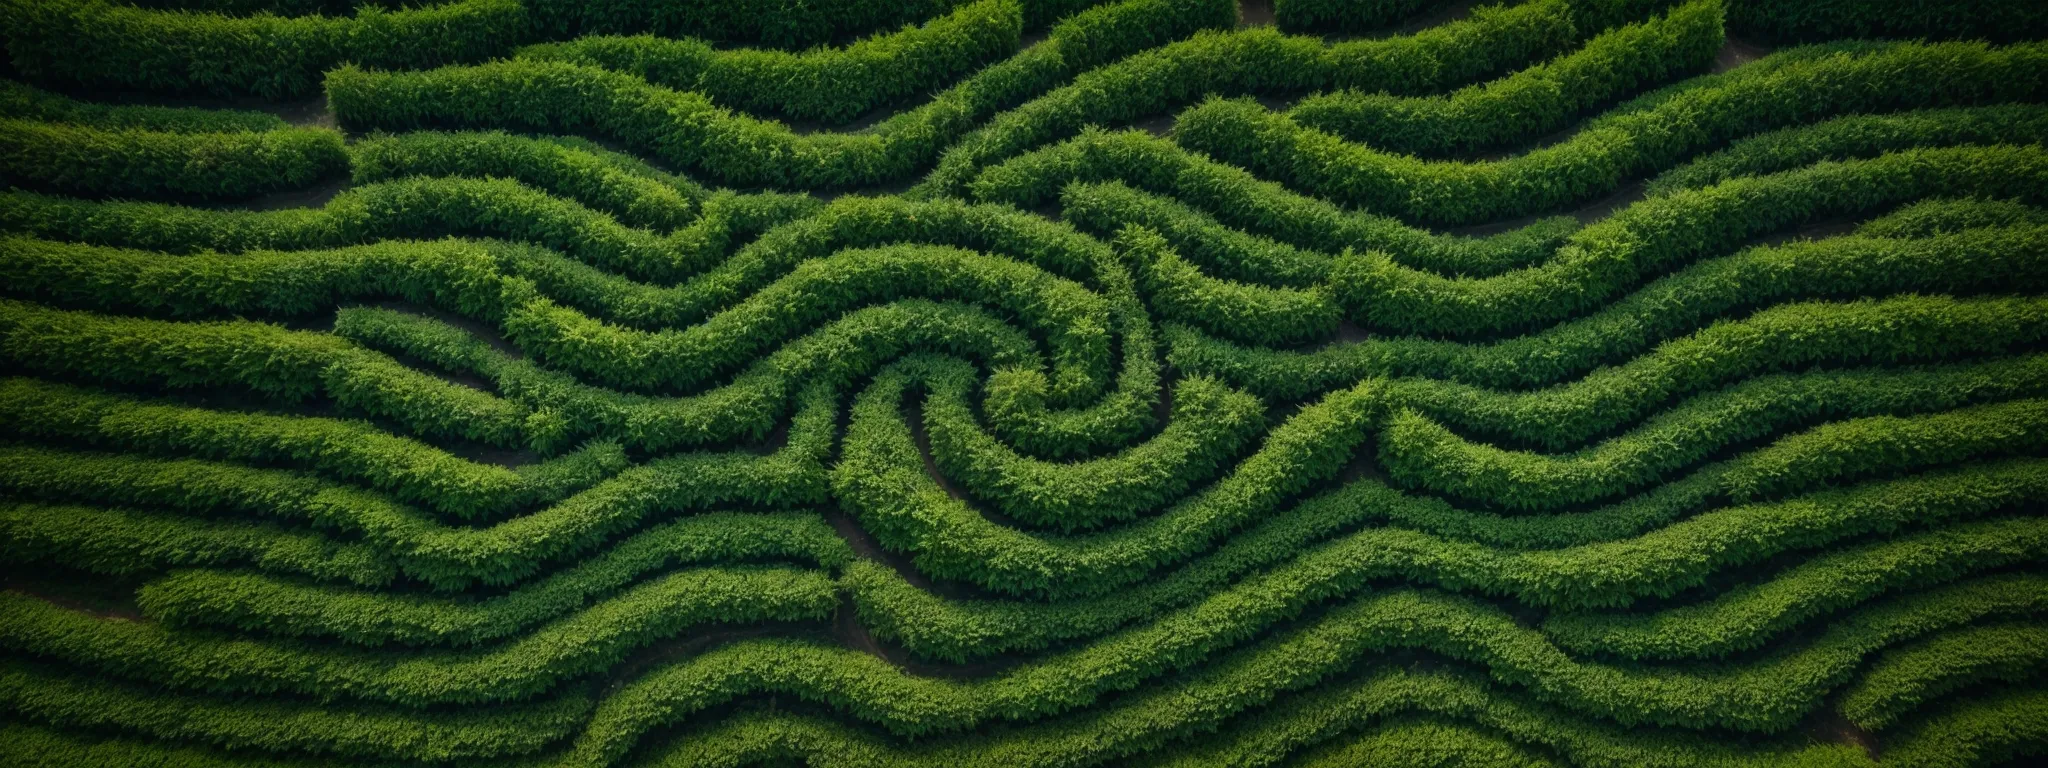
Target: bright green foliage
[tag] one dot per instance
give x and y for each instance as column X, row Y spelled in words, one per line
column 1023, row 383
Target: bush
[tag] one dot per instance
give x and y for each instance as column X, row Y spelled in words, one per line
column 832, row 86
column 1531, row 102
column 1651, row 133
column 98, row 45
column 139, row 163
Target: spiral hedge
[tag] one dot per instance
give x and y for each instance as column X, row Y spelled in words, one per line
column 1023, row 383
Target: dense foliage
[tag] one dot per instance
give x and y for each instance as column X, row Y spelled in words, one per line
column 1023, row 383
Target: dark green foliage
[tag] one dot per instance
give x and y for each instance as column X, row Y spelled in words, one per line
column 1060, row 430
column 1342, row 15
column 833, row 86
column 97, row 44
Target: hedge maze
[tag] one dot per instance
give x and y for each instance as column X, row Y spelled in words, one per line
column 1023, row 383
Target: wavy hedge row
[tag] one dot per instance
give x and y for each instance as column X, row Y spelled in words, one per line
column 102, row 45
column 1066, row 383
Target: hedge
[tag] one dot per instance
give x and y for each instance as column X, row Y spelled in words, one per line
column 1807, row 20
column 91, row 44
column 1531, row 102
column 690, row 131
column 1655, row 131
column 19, row 101
column 833, row 86
column 266, row 604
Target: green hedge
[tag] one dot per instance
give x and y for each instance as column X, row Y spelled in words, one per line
column 596, row 637
column 1531, row 102
column 1810, row 20
column 1619, row 552
column 1602, row 261
column 1572, row 350
column 1983, row 730
column 1752, row 697
column 120, row 542
column 833, row 86
column 418, row 207
column 1210, row 424
column 266, row 360
column 428, row 547
column 347, row 450
column 270, row 605
column 1237, row 199
column 1904, row 678
column 84, row 702
column 1326, row 16
column 1653, row 132
column 793, row 24
column 22, row 102
column 639, row 195
column 1748, row 615
column 98, row 45
column 1263, row 61
column 1858, row 136
column 141, row 163
column 689, row 131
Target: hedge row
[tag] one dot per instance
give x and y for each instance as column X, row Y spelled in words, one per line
column 1326, row 16
column 287, row 366
column 1810, row 20
column 791, row 24
column 1335, row 711
column 1568, row 416
column 792, row 230
column 1617, row 560
column 1416, row 743
column 1422, row 454
column 453, row 557
column 1266, row 714
column 417, row 207
column 1746, row 616
column 880, row 477
column 1656, row 131
column 832, row 86
column 347, row 450
column 1256, row 61
column 1767, row 695
column 141, row 163
column 1904, row 678
column 1859, row 136
column 48, row 694
column 1531, row 102
column 1578, row 349
column 1096, row 179
column 96, row 45
column 1276, row 316
column 1929, row 218
column 1603, row 260
column 621, row 185
column 119, row 542
column 1073, row 321
column 688, row 130
column 21, row 102
column 1134, row 723
column 594, row 638
column 1210, row 424
column 1982, row 730
column 267, row 604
